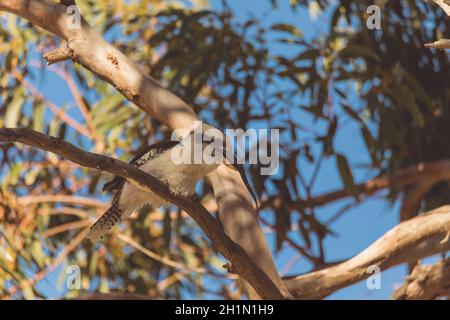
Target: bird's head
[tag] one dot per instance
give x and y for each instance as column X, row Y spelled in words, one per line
column 211, row 147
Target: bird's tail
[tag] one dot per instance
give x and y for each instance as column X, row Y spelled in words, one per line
column 104, row 224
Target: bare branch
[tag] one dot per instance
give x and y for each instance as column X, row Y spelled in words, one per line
column 159, row 258
column 434, row 171
column 440, row 44
column 65, row 227
column 44, row 273
column 241, row 262
column 444, row 4
column 443, row 43
column 90, row 50
column 58, row 55
column 422, row 236
column 113, row 296
column 32, row 199
column 60, row 113
column 426, row 282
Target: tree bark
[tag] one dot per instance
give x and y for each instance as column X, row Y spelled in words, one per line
column 412, row 240
column 242, row 264
column 426, row 282
column 88, row 48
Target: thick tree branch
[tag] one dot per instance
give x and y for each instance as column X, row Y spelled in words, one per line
column 242, row 264
column 412, row 240
column 439, row 44
column 442, row 43
column 409, row 241
column 232, row 208
column 88, row 48
column 444, row 4
column 426, row 282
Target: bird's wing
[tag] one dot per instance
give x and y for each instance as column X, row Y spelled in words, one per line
column 138, row 160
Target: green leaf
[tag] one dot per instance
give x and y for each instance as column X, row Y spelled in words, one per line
column 28, row 293
column 304, row 233
column 14, row 175
column 418, row 91
column 37, row 253
column 289, row 28
column 13, row 110
column 346, row 175
column 405, row 99
column 371, row 144
column 355, row 50
column 104, row 286
column 352, row 113
column 93, row 264
column 38, row 116
column 30, row 177
column 311, row 54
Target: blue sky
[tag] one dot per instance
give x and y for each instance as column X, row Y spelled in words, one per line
column 358, row 228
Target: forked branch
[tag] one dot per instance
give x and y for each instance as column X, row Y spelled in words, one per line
column 242, row 264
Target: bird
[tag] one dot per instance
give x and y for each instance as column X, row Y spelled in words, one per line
column 158, row 161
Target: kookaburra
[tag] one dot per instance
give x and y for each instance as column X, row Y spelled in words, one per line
column 158, row 161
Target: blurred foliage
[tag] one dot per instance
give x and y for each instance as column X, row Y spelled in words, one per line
column 383, row 82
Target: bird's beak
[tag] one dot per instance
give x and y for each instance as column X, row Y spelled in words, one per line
column 241, row 169
column 230, row 160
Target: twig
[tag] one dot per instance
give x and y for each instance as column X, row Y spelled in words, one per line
column 65, row 227
column 57, row 111
column 157, row 257
column 291, row 242
column 108, row 63
column 409, row 241
column 444, row 4
column 241, row 262
column 42, row 274
column 28, row 200
column 443, row 43
column 58, row 55
column 63, row 211
column 426, row 282
column 436, row 171
column 440, row 44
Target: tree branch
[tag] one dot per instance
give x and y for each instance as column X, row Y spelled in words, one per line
column 434, row 171
column 412, row 197
column 58, row 55
column 242, row 264
column 88, row 48
column 426, row 282
column 442, row 43
column 444, row 4
column 422, row 236
column 113, row 296
column 439, row 44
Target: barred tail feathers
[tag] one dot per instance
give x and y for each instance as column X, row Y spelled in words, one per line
column 105, row 223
